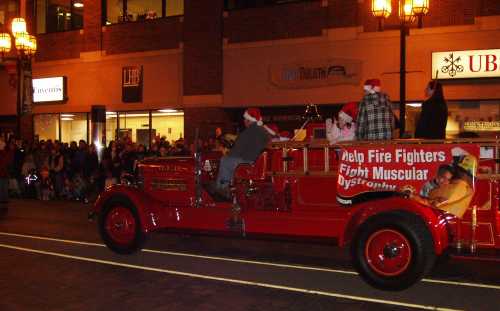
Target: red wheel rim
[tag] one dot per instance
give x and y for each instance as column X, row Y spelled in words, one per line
column 121, row 225
column 388, row 252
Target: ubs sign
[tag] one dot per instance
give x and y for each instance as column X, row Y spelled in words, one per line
column 49, row 90
column 466, row 64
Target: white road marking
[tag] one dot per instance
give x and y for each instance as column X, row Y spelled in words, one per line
column 34, row 237
column 233, row 281
column 262, row 263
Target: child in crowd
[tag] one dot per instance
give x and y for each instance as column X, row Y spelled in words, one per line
column 67, row 191
column 46, row 186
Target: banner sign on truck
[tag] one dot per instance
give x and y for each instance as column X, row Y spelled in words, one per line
column 434, row 173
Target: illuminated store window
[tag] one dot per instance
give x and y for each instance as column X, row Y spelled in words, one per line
column 73, row 127
column 46, row 126
column 59, row 15
column 134, row 125
column 111, row 126
column 168, row 123
column 473, row 118
column 140, row 10
column 465, row 118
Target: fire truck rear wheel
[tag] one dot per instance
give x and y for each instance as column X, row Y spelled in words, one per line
column 120, row 226
column 393, row 251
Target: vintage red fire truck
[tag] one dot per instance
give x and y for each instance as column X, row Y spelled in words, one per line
column 395, row 235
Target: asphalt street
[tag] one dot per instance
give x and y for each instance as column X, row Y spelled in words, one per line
column 51, row 258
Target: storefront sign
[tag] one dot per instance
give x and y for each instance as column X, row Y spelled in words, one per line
column 466, row 64
column 316, row 74
column 365, row 171
column 482, row 126
column 49, row 90
column 132, row 84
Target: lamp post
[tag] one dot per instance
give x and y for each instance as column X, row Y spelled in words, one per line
column 408, row 10
column 25, row 46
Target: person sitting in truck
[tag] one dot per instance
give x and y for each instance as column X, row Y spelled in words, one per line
column 345, row 128
column 247, row 148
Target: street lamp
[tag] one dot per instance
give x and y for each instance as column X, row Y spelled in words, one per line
column 26, row 46
column 408, row 10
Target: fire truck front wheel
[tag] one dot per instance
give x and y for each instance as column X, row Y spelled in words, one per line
column 120, row 226
column 393, row 251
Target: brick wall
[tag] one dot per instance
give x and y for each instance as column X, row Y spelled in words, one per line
column 207, row 120
column 92, row 25
column 158, row 34
column 203, row 23
column 27, row 129
column 56, row 46
column 488, row 7
column 441, row 13
column 293, row 20
column 202, row 35
column 343, row 13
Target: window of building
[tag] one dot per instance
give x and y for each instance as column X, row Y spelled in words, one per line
column 74, row 127
column 168, row 123
column 59, row 15
column 119, row 11
column 135, row 126
column 473, row 118
column 246, row 4
column 8, row 10
column 46, row 126
column 465, row 118
column 111, row 126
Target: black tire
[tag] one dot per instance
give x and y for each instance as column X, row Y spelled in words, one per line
column 120, row 226
column 399, row 265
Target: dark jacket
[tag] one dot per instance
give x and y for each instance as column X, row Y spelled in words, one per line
column 433, row 119
column 250, row 143
column 6, row 158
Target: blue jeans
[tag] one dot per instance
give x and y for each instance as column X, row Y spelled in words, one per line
column 226, row 171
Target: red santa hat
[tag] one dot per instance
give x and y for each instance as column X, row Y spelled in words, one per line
column 349, row 112
column 272, row 129
column 253, row 115
column 372, row 86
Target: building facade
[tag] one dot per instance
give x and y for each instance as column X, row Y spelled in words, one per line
column 166, row 67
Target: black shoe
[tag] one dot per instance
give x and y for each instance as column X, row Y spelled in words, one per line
column 224, row 193
column 218, row 194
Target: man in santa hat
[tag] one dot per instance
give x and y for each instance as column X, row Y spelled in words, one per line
column 247, row 148
column 375, row 117
column 345, row 128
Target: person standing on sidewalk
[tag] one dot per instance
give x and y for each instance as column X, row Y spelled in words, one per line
column 375, row 116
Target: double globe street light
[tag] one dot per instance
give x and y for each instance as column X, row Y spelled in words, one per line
column 26, row 46
column 408, row 11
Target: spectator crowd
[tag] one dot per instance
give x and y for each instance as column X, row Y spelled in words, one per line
column 47, row 170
